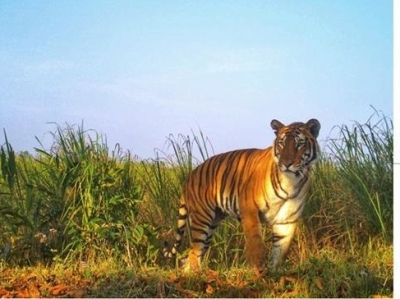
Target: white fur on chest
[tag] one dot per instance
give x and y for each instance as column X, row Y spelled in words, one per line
column 285, row 205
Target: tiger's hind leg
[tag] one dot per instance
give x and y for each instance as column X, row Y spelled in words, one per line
column 202, row 230
column 213, row 227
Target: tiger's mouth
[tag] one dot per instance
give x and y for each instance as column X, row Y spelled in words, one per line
column 293, row 172
column 290, row 169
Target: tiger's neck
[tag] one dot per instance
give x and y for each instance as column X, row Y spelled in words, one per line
column 289, row 185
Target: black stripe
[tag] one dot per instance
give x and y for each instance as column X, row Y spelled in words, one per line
column 198, row 241
column 277, row 238
column 203, row 176
column 207, row 207
column 201, row 230
column 228, row 159
column 180, row 231
column 213, row 227
column 295, row 212
column 201, row 222
column 276, row 185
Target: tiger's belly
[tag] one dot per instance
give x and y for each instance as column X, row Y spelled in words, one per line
column 272, row 208
column 228, row 206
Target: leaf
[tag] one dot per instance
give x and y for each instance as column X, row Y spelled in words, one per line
column 209, row 290
column 78, row 293
column 33, row 290
column 184, row 292
column 318, row 282
column 58, row 290
column 4, row 293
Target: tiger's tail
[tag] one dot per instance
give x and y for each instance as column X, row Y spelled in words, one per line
column 183, row 215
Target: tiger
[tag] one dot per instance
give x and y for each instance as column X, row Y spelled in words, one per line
column 254, row 186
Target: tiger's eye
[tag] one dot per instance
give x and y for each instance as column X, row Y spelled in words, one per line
column 301, row 143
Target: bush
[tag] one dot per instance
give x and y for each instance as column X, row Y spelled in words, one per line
column 76, row 199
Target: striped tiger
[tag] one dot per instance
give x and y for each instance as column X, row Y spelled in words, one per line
column 254, row 186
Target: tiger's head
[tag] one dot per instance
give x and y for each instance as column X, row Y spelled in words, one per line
column 295, row 147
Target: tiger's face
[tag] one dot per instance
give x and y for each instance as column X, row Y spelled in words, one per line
column 295, row 147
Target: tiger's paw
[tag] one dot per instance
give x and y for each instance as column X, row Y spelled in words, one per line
column 191, row 264
column 260, row 273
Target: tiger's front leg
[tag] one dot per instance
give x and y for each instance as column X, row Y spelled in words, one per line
column 282, row 235
column 255, row 248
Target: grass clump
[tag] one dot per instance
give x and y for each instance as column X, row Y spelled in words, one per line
column 364, row 157
column 78, row 199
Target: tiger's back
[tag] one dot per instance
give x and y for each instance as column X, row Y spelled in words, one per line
column 254, row 186
column 218, row 182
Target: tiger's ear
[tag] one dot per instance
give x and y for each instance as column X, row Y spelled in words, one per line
column 313, row 126
column 276, row 125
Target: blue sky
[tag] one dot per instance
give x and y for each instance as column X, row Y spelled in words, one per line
column 137, row 71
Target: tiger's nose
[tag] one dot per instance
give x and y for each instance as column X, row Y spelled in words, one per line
column 285, row 166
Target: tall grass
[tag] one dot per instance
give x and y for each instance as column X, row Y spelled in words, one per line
column 364, row 156
column 81, row 200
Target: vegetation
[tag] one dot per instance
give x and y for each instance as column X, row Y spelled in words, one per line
column 83, row 220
